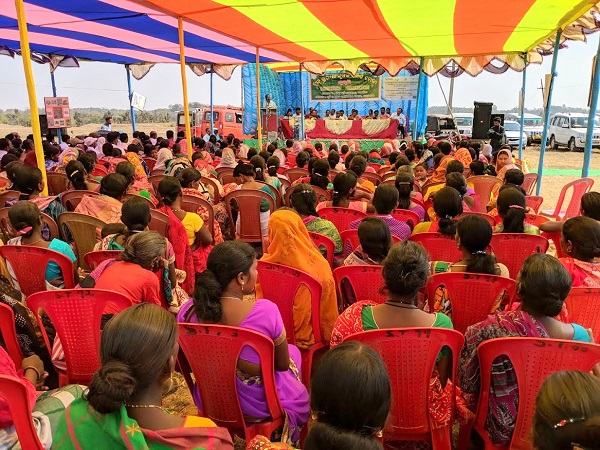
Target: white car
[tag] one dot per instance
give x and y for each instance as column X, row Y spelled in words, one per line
column 569, row 129
column 512, row 130
column 464, row 123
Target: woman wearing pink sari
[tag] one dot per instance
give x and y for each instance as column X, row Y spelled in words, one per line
column 504, row 162
column 107, row 206
column 581, row 241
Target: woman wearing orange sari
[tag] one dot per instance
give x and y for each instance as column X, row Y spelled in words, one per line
column 291, row 246
column 462, row 154
column 107, row 206
column 439, row 176
column 141, row 171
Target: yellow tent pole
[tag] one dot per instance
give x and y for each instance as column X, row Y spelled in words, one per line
column 33, row 108
column 259, row 127
column 186, row 104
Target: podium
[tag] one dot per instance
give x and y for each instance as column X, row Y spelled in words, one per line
column 269, row 122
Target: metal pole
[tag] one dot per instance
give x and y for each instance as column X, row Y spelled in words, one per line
column 547, row 112
column 522, row 108
column 33, row 109
column 131, row 108
column 59, row 132
column 451, row 93
column 415, row 128
column 259, row 125
column 589, row 135
column 301, row 104
column 186, row 104
column 212, row 119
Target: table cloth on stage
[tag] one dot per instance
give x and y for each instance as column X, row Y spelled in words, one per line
column 344, row 129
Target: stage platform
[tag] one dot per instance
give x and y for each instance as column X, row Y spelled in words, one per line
column 365, row 144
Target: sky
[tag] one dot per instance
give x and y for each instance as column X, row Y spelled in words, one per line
column 104, row 85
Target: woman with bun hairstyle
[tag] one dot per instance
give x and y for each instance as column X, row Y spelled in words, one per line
column 511, row 209
column 219, row 298
column 542, row 286
column 123, row 405
column 77, row 176
column 447, row 205
column 581, row 241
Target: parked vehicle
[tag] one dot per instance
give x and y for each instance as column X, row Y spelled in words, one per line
column 569, row 129
column 532, row 124
column 440, row 124
column 464, row 122
column 513, row 133
column 226, row 119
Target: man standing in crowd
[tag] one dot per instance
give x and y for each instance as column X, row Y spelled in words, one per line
column 497, row 135
column 401, row 122
column 107, row 124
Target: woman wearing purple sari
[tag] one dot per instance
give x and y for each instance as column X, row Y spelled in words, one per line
column 219, row 298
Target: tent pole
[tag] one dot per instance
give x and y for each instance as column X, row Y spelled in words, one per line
column 522, row 108
column 131, row 108
column 415, row 127
column 59, row 132
column 33, row 108
column 259, row 125
column 212, row 119
column 186, row 105
column 547, row 112
column 301, row 103
column 589, row 135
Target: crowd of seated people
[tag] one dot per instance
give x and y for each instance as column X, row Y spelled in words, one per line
column 200, row 272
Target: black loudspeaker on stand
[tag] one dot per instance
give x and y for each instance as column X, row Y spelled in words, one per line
column 481, row 119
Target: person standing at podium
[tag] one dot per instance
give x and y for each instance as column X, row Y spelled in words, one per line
column 269, row 104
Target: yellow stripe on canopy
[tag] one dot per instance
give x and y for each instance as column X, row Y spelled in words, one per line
column 546, row 15
column 291, row 20
column 422, row 35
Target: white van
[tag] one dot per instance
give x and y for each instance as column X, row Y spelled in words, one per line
column 464, row 122
column 569, row 129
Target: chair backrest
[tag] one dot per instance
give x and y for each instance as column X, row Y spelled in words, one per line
column 277, row 194
column 439, row 246
column 580, row 187
column 212, row 352
column 8, row 232
column 9, row 195
column 248, row 202
column 17, row 400
column 372, row 177
column 8, row 329
column 226, row 178
column 210, row 182
column 150, row 163
column 92, row 259
column 159, row 222
column 365, row 281
column 407, row 216
column 583, row 307
column 99, row 171
column 533, row 360
column 83, row 229
column 295, row 173
column 280, row 284
column 341, row 217
column 71, row 199
column 375, row 166
column 191, row 203
column 472, row 295
column 512, row 249
column 57, row 183
column 154, row 172
column 128, row 196
column 534, row 202
column 76, row 314
column 533, row 219
column 385, row 169
column 529, row 182
column 410, row 355
column 221, row 170
column 426, row 186
column 325, row 241
column 483, row 186
column 487, row 217
column 387, row 175
column 555, row 237
column 155, row 181
column 29, row 266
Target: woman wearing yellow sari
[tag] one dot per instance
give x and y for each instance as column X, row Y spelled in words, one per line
column 291, row 246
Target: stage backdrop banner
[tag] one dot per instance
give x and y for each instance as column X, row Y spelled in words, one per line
column 344, row 86
column 400, row 88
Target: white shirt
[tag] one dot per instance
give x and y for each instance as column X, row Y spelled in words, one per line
column 270, row 105
column 401, row 118
column 63, row 146
column 106, row 127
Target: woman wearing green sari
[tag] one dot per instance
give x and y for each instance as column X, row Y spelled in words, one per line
column 122, row 409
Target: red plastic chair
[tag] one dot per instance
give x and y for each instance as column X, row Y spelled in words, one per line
column 483, row 186
column 17, row 400
column 472, row 295
column 487, row 217
column 439, row 246
column 583, row 307
column 372, row 177
column 128, row 196
column 555, row 236
column 71, row 199
column 365, row 281
column 150, row 162
column 93, row 259
column 533, row 360
column 8, row 330
column 534, row 202
column 280, row 284
column 212, row 353
column 375, row 166
column 535, row 220
column 295, row 173
column 29, row 266
column 9, row 195
column 76, row 314
column 411, row 218
column 248, row 202
column 322, row 240
column 99, row 171
column 512, row 249
column 580, row 187
column 341, row 217
column 57, row 183
column 159, row 222
column 215, row 188
column 529, row 182
column 226, row 176
column 155, row 181
column 154, row 172
column 8, row 231
column 410, row 355
column 192, row 204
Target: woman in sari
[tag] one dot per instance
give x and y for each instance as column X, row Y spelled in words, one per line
column 163, row 157
column 219, row 298
column 404, row 183
column 176, row 165
column 375, row 242
column 447, row 205
column 227, row 159
column 439, row 175
column 581, row 241
column 346, row 196
column 28, row 180
column 512, row 210
column 462, row 154
column 543, row 284
column 132, row 155
column 122, row 408
column 504, row 162
column 140, row 187
column 107, row 206
column 291, row 246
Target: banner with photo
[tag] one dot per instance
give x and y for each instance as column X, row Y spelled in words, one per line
column 344, row 86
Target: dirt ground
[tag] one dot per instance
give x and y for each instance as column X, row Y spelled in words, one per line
column 557, row 162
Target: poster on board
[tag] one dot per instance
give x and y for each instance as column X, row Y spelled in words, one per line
column 344, row 86
column 138, row 101
column 58, row 112
column 400, row 88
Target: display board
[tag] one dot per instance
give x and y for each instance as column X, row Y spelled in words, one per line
column 58, row 112
column 400, row 88
column 345, row 86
